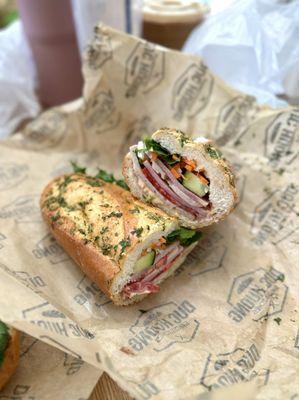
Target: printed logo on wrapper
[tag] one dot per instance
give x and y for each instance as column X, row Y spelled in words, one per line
column 136, row 130
column 282, row 139
column 207, row 256
column 50, row 319
column 56, row 343
column 234, row 117
column 17, row 392
column 2, row 240
column 48, row 248
column 276, row 219
column 241, row 179
column 29, row 345
column 90, row 293
column 145, row 69
column 12, row 174
column 146, row 390
column 71, row 364
column 101, row 114
column 257, row 295
column 240, row 365
column 33, row 282
column 46, row 131
column 192, row 92
column 22, row 209
column 162, row 326
column 100, row 49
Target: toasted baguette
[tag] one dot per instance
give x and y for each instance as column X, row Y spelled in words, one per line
column 107, row 233
column 11, row 358
column 223, row 194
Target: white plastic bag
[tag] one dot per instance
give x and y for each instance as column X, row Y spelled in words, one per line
column 253, row 45
column 18, row 100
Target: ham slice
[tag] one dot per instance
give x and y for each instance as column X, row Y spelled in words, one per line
column 158, row 169
column 162, row 253
column 140, row 288
column 162, row 183
column 147, row 281
column 168, row 194
column 179, row 186
column 147, row 182
column 158, row 178
column 158, row 262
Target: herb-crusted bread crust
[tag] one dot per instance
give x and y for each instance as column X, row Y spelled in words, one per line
column 11, row 357
column 100, row 225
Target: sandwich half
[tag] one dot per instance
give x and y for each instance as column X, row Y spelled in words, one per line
column 188, row 179
column 126, row 247
column 9, row 352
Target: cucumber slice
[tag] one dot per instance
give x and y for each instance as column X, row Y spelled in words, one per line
column 192, row 182
column 145, row 261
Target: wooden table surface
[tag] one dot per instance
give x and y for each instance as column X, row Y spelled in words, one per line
column 107, row 389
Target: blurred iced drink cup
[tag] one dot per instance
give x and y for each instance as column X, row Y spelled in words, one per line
column 169, row 22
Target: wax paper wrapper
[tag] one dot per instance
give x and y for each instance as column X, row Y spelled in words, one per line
column 47, row 373
column 229, row 316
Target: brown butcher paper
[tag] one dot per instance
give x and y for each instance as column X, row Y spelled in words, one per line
column 228, row 319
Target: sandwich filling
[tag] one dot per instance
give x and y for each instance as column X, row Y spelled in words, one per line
column 172, row 178
column 159, row 261
column 4, row 339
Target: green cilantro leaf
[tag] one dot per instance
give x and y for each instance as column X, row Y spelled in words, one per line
column 105, row 176
column 185, row 236
column 102, row 174
column 109, row 178
column 122, row 184
column 124, row 244
column 152, row 145
column 77, row 169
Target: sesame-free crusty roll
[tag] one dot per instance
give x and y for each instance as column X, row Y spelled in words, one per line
column 126, row 247
column 188, row 179
column 9, row 352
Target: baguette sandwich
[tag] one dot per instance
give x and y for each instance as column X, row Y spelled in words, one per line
column 126, row 247
column 9, row 353
column 186, row 178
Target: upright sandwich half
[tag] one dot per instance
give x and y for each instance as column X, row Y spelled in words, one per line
column 9, row 352
column 125, row 246
column 186, row 178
